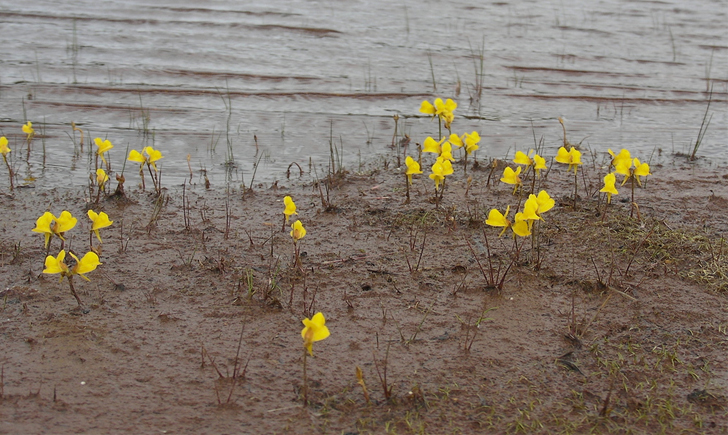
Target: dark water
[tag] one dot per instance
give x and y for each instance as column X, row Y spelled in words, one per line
column 627, row 74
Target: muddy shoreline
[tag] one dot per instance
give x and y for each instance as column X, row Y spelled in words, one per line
column 621, row 327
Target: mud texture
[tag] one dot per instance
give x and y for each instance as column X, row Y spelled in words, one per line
column 612, row 324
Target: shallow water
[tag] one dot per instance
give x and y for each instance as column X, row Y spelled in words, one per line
column 621, row 73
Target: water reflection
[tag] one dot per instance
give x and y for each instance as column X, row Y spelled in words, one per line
column 205, row 79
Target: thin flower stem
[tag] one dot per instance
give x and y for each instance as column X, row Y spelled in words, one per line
column 406, row 182
column 305, row 377
column 576, row 180
column 10, row 172
column 73, row 291
column 631, row 206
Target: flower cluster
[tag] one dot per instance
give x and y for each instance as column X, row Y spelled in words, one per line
column 443, row 110
column 523, row 221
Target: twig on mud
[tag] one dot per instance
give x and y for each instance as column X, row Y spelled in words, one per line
column 383, row 373
column 414, row 336
column 634, row 254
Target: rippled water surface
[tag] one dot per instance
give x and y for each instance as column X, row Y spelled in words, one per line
column 204, row 78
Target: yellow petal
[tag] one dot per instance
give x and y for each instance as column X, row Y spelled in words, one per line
column 87, row 264
column 64, row 222
column 55, row 265
column 4, row 149
column 431, row 146
column 136, row 156
column 563, row 156
column 413, row 167
column 298, row 231
column 427, row 108
column 43, row 224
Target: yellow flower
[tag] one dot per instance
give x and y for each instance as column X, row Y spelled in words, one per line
column 98, row 221
column 571, row 158
column 521, row 226
column 43, row 226
column 101, row 177
column 28, row 129
column 314, row 330
column 63, row 223
column 104, row 146
column 151, row 157
column 87, row 264
column 609, row 188
column 290, row 207
column 512, row 177
column 544, row 201
column 154, row 155
column 136, row 156
column 523, row 159
column 55, row 265
column 428, row 108
column 432, row 146
column 446, row 152
column 456, row 140
column 540, row 163
column 440, row 109
column 632, row 169
column 49, row 225
column 298, row 231
column 412, row 168
column 530, row 207
column 641, row 170
column 471, row 142
column 4, row 149
column 440, row 170
column 497, row 219
column 621, row 160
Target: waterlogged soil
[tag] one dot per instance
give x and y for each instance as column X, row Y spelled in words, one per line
column 192, row 323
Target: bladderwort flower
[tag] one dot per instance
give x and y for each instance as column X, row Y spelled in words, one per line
column 512, row 177
column 497, row 219
column 544, row 202
column 609, row 180
column 148, row 156
column 620, row 160
column 50, row 225
column 537, row 162
column 288, row 210
column 314, row 330
column 430, row 145
column 573, row 159
column 4, row 150
column 469, row 141
column 441, row 169
column 633, row 170
column 28, row 130
column 88, row 263
column 443, row 110
column 98, row 221
column 290, row 207
column 297, row 233
column 103, row 147
column 413, row 168
column 101, row 178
